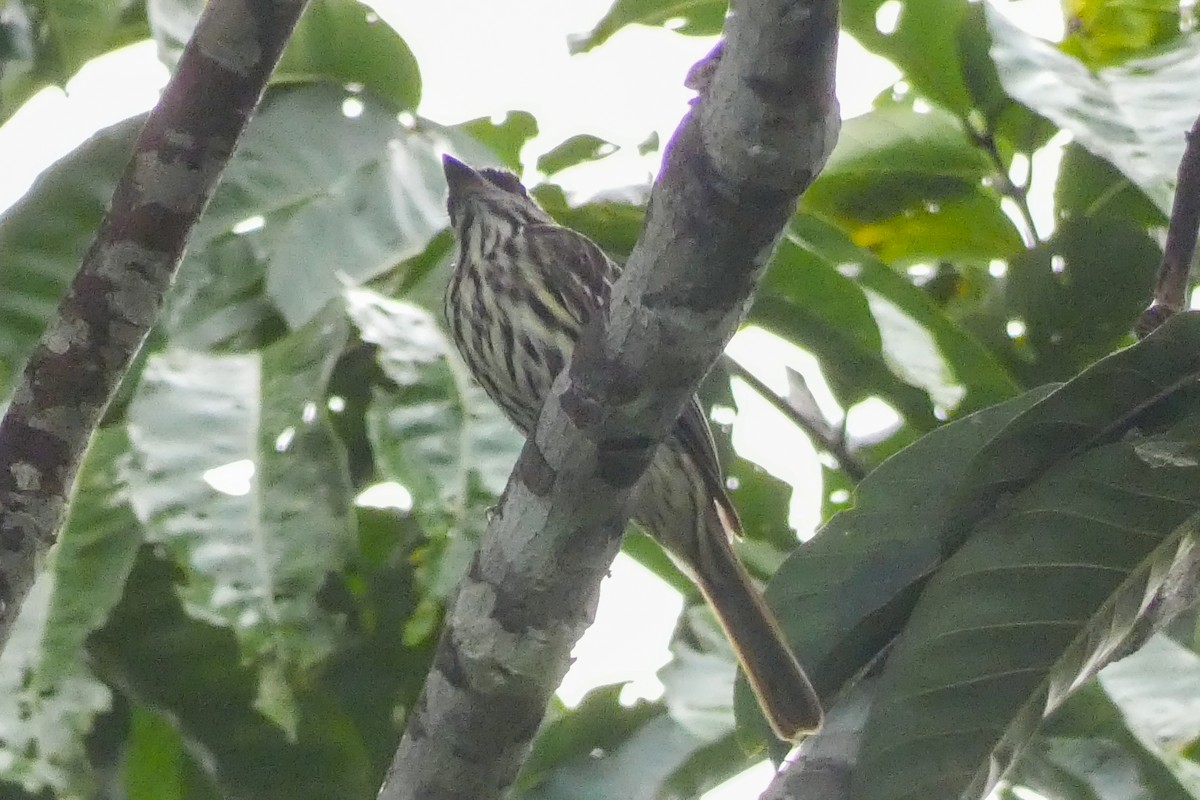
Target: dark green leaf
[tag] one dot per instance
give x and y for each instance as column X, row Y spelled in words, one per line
column 1102, row 404
column 1089, row 186
column 843, row 596
column 1072, row 525
column 613, row 224
column 1032, row 604
column 1080, row 294
column 193, row 672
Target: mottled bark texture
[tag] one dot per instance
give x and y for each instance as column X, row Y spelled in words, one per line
column 115, row 297
column 764, row 123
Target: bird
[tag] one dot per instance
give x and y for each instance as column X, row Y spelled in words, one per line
column 522, row 289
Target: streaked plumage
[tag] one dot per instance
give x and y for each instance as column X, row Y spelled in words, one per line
column 522, row 290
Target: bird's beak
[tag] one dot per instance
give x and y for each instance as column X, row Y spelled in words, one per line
column 459, row 177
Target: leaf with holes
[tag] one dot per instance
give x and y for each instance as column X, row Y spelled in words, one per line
column 237, row 471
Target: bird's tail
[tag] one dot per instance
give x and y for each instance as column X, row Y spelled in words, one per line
column 784, row 692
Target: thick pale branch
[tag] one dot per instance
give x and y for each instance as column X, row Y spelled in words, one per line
column 115, row 297
column 762, row 128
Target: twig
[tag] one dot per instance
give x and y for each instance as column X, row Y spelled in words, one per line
column 1170, row 285
column 830, row 440
column 1018, row 194
column 113, row 300
column 763, row 129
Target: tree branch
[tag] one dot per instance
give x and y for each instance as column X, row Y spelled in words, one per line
column 765, row 124
column 115, row 297
column 1170, row 286
column 818, row 428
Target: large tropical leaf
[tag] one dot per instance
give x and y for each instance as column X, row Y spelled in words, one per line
column 1075, row 512
column 237, row 471
column 1133, row 116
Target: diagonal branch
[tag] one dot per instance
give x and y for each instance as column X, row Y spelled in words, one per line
column 762, row 128
column 817, row 427
column 115, row 297
column 1170, row 285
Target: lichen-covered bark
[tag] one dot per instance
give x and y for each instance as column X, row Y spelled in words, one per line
column 764, row 123
column 115, row 297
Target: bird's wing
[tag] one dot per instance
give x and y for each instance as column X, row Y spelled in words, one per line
column 574, row 268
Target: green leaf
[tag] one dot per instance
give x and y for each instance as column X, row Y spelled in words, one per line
column 576, row 150
column 1099, row 405
column 347, row 43
column 1066, row 545
column 314, row 200
column 1079, row 294
column 693, row 17
column 237, row 471
column 636, row 769
column 1104, row 32
column 613, row 224
column 48, row 696
column 600, row 721
column 505, row 138
column 193, row 673
column 918, row 340
column 434, row 430
column 378, row 668
column 1089, row 186
column 923, row 44
column 909, row 186
column 1157, row 690
column 44, row 235
column 152, row 767
column 45, row 42
column 96, row 551
column 1085, row 750
column 807, row 301
column 1133, row 116
column 843, row 595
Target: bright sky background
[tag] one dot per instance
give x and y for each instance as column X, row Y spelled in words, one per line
column 481, row 58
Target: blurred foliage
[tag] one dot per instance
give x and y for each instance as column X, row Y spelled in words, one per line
column 250, row 585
